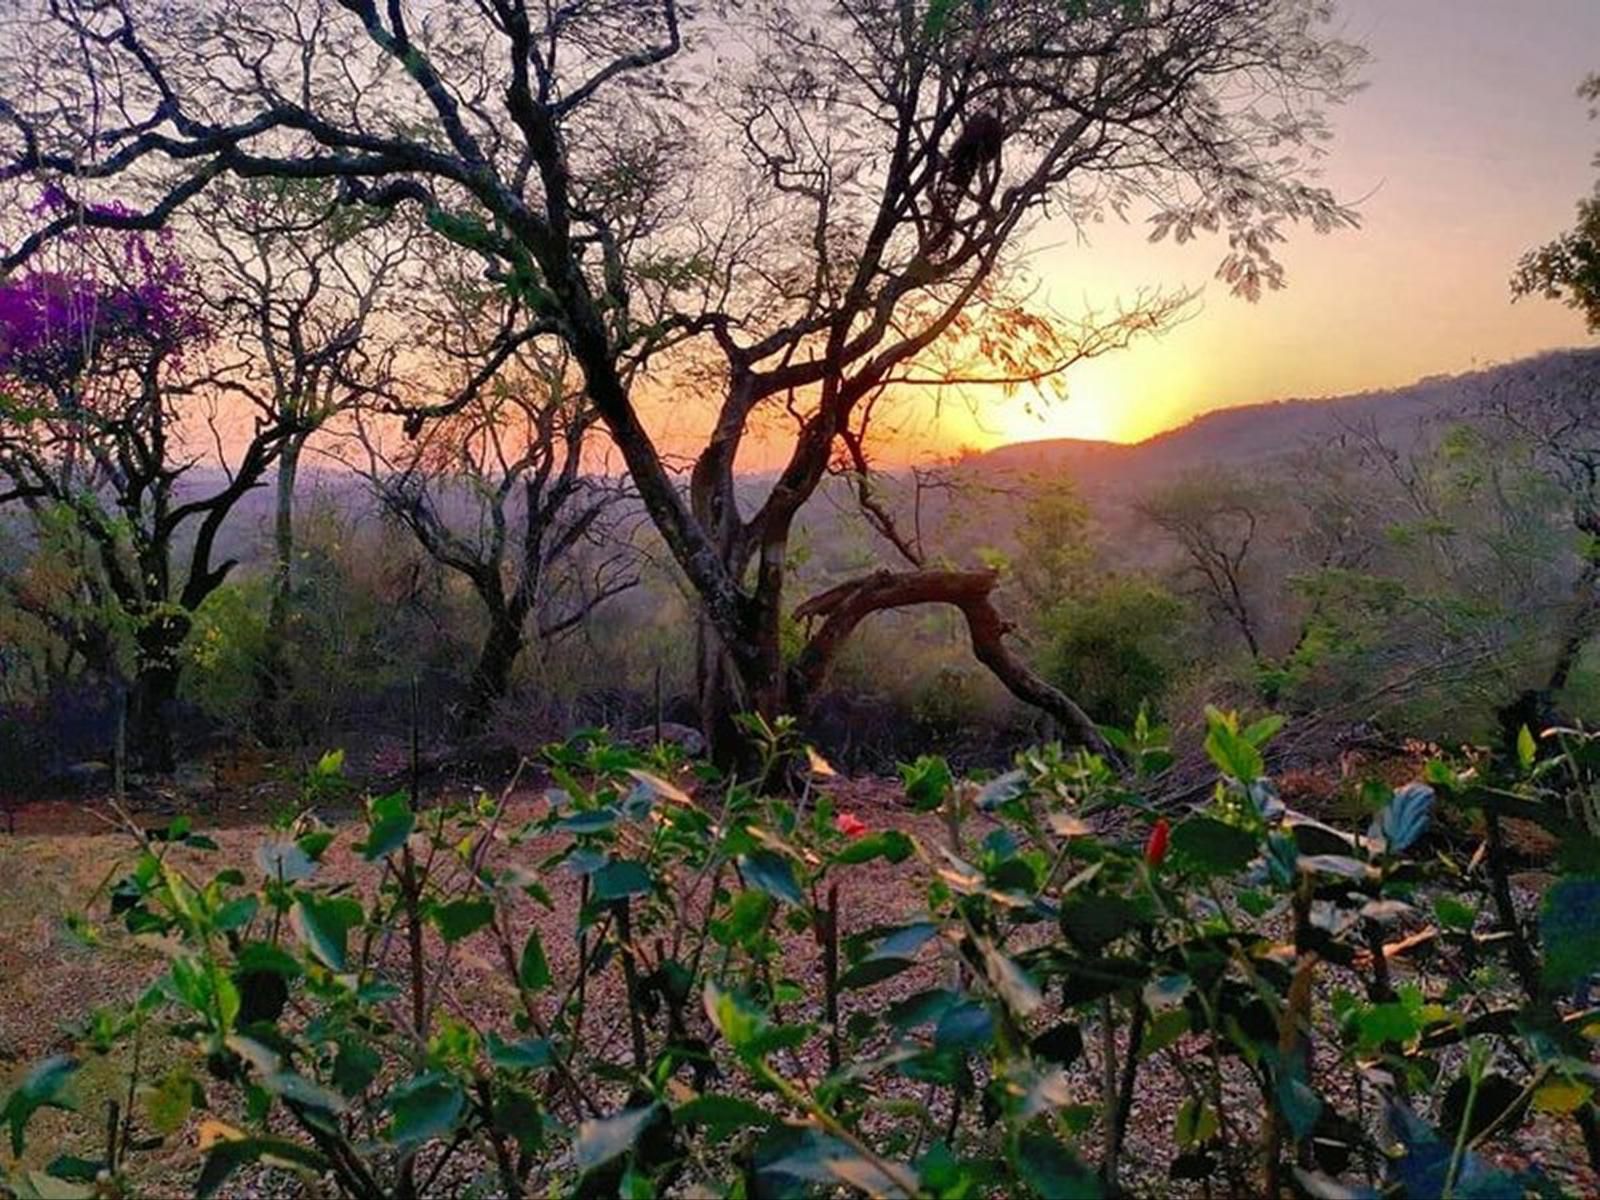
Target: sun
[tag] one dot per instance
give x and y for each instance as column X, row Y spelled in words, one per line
column 1093, row 409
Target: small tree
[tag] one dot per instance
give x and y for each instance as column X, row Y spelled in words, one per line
column 1548, row 413
column 1568, row 268
column 1215, row 518
column 308, row 304
column 1054, row 556
column 1561, row 426
column 97, row 426
column 498, row 493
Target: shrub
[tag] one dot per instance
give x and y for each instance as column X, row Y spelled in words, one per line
column 1116, row 648
column 671, row 1040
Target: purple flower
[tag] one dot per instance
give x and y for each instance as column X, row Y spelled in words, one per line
column 122, row 293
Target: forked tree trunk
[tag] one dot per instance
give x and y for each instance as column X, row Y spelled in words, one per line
column 843, row 608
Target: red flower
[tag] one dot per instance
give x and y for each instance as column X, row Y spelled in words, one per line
column 850, row 825
column 1155, row 846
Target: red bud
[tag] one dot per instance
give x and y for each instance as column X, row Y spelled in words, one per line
column 1155, row 846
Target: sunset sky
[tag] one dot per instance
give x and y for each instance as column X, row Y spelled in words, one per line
column 1469, row 146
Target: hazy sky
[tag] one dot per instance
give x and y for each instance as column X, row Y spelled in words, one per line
column 1473, row 146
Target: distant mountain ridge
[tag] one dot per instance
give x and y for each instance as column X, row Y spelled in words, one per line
column 1250, row 434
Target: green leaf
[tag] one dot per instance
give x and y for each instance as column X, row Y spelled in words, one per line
column 600, row 1141
column 937, row 17
column 1393, row 1021
column 533, row 972
column 1300, row 1105
column 303, row 1091
column 1527, row 748
column 167, row 1105
column 389, row 823
column 1093, row 922
column 529, row 1054
column 40, row 1088
column 819, row 1159
column 968, row 1026
column 721, row 1115
column 324, row 925
column 921, row 1008
column 871, row 971
column 733, row 1016
column 236, row 914
column 589, row 821
column 425, row 1107
column 1052, row 1171
column 227, row 1156
column 254, row 957
column 1197, row 1124
column 462, row 918
column 619, row 879
column 927, row 782
column 773, row 873
column 889, row 844
column 1569, row 926
column 905, row 941
column 1233, row 754
column 1211, row 847
column 1259, row 733
column 355, row 1067
column 1454, row 914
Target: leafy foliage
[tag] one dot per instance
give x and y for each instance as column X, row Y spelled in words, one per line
column 1071, row 934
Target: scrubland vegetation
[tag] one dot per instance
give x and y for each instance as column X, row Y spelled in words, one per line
column 437, row 763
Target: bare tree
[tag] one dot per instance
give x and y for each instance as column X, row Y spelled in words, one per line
column 500, row 493
column 1550, row 408
column 1215, row 518
column 309, row 302
column 889, row 158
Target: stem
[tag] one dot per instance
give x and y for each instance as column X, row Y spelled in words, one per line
column 1474, row 1079
column 1522, row 960
column 630, row 975
column 1130, row 1071
column 828, row 922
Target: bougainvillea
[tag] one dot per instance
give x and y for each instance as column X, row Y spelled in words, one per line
column 107, row 291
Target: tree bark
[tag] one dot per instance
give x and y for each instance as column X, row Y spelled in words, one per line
column 491, row 678
column 846, row 606
column 155, row 692
column 275, row 681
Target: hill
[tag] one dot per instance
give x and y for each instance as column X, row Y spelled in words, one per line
column 1255, row 434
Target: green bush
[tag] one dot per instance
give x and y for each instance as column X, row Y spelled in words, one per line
column 712, row 1021
column 1116, row 648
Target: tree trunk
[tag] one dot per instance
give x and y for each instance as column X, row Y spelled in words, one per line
column 846, row 606
column 491, row 678
column 155, row 692
column 722, row 694
column 275, row 681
